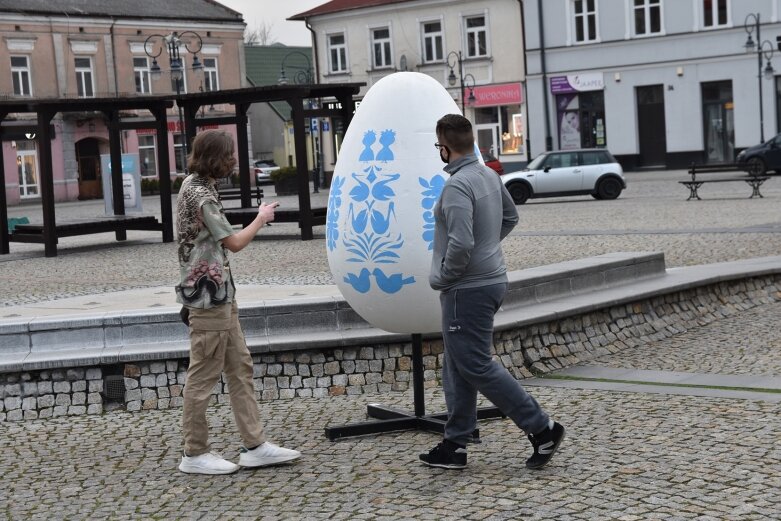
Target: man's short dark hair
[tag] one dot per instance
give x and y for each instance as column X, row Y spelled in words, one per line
column 457, row 131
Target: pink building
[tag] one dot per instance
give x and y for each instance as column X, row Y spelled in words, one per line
column 105, row 48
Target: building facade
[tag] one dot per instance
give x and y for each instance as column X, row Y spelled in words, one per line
column 271, row 123
column 657, row 82
column 480, row 41
column 65, row 49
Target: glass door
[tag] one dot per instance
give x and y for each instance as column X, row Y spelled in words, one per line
column 487, row 138
column 27, row 165
column 718, row 123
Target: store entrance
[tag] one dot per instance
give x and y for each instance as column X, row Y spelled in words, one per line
column 718, row 122
column 592, row 119
column 651, row 125
column 27, row 165
column 88, row 159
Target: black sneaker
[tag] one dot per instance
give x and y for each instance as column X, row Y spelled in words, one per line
column 446, row 455
column 545, row 444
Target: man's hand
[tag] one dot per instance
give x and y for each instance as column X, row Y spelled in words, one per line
column 266, row 211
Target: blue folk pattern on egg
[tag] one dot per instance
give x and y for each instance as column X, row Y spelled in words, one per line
column 369, row 236
column 332, row 220
column 432, row 188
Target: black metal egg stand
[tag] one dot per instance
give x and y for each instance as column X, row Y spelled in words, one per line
column 389, row 419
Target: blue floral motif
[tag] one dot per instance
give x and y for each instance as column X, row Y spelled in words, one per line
column 371, row 214
column 334, row 203
column 432, row 189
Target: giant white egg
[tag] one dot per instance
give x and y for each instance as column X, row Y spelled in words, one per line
column 380, row 223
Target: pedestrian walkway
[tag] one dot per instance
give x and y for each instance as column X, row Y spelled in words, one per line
column 630, row 454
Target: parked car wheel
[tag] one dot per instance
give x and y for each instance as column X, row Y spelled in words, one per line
column 609, row 188
column 519, row 192
column 756, row 166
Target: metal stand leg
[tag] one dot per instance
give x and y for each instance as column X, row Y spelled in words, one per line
column 389, row 419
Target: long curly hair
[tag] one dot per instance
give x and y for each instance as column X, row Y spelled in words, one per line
column 212, row 154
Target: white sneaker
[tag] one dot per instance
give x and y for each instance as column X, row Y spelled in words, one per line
column 265, row 455
column 209, row 463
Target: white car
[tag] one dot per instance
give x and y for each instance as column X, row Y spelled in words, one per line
column 263, row 169
column 591, row 171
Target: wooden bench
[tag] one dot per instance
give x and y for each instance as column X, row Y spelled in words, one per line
column 694, row 184
column 232, row 194
column 33, row 233
column 244, row 216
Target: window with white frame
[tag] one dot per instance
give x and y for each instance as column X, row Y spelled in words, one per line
column 648, row 17
column 142, row 75
column 211, row 79
column 381, row 48
column 20, row 74
column 85, row 87
column 476, row 36
column 432, row 42
column 147, row 156
column 585, row 20
column 715, row 13
column 337, row 53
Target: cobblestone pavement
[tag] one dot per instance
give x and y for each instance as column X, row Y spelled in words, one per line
column 651, row 215
column 628, row 456
column 748, row 343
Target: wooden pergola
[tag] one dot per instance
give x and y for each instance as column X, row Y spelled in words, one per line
column 45, row 109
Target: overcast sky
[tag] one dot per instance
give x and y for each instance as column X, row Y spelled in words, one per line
column 274, row 13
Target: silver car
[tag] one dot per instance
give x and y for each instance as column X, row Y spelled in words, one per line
column 592, row 171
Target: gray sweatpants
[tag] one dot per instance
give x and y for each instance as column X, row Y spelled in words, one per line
column 468, row 367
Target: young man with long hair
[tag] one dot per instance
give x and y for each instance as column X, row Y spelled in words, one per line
column 207, row 292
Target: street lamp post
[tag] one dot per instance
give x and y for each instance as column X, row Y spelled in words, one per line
column 172, row 42
column 462, row 79
column 763, row 48
column 304, row 75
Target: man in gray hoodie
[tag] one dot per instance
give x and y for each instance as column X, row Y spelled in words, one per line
column 474, row 213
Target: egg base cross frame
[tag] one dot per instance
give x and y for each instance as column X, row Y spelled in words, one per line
column 388, row 419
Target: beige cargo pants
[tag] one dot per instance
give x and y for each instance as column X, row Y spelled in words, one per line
column 217, row 344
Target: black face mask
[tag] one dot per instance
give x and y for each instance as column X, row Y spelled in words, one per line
column 445, row 159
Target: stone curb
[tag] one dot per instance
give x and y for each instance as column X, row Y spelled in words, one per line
column 536, row 295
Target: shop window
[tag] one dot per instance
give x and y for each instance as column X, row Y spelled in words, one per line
column 476, row 36
column 381, row 48
column 585, row 20
column 147, row 155
column 511, row 121
column 20, row 73
column 211, row 80
column 337, row 53
column 84, row 77
column 432, row 42
column 715, row 13
column 648, row 17
column 142, row 75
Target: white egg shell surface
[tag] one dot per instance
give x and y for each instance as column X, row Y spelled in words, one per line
column 380, row 222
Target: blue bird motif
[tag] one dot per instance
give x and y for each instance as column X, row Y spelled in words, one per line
column 381, row 191
column 391, row 283
column 380, row 223
column 361, row 282
column 368, row 140
column 361, row 191
column 387, row 138
column 359, row 221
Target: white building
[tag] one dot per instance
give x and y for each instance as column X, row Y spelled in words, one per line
column 658, row 82
column 369, row 39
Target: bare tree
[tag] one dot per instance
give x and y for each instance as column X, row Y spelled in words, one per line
column 262, row 34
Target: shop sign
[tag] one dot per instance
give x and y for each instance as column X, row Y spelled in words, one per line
column 577, row 83
column 174, row 127
column 493, row 95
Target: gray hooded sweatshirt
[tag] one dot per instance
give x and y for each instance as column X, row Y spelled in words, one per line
column 473, row 214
